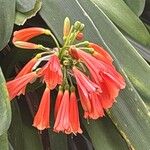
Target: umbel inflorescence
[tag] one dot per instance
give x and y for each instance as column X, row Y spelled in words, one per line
column 84, row 68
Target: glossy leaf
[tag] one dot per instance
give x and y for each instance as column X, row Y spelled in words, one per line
column 122, row 50
column 25, row 6
column 7, row 18
column 4, row 145
column 137, row 6
column 5, row 110
column 56, row 138
column 22, row 17
column 144, row 51
column 103, row 131
column 100, row 29
column 132, row 118
column 21, row 133
column 119, row 13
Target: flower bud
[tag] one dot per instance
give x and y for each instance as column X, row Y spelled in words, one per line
column 66, row 27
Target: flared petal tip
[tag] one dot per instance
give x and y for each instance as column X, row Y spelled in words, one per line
column 41, row 127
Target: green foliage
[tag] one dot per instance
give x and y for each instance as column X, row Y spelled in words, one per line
column 137, row 6
column 5, row 110
column 7, row 17
column 127, row 124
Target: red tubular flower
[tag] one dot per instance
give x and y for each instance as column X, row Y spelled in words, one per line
column 100, row 53
column 58, row 101
column 104, row 75
column 26, row 45
column 52, row 72
column 74, row 114
column 101, row 67
column 28, row 33
column 96, row 107
column 42, row 117
column 62, row 122
column 85, row 88
column 28, row 67
column 17, row 86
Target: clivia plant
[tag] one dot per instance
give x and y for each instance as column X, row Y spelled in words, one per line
column 74, row 83
column 97, row 81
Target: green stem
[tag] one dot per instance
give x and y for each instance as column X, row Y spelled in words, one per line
column 70, row 80
column 65, row 76
column 56, row 42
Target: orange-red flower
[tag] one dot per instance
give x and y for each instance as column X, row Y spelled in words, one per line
column 58, row 101
column 28, row 33
column 86, row 88
column 28, row 67
column 22, row 36
column 62, row 122
column 100, row 53
column 26, row 45
column 42, row 117
column 52, row 72
column 104, row 75
column 97, row 81
column 17, row 86
column 96, row 107
column 74, row 114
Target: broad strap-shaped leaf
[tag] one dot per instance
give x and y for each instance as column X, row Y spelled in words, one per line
column 119, row 13
column 21, row 133
column 4, row 145
column 25, row 6
column 132, row 118
column 5, row 110
column 137, row 6
column 144, row 51
column 7, row 18
column 58, row 140
column 136, row 69
column 21, row 17
column 101, row 30
column 104, row 134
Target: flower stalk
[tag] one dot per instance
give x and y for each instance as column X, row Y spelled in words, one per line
column 82, row 68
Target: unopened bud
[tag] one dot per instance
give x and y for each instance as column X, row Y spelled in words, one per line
column 47, row 32
column 82, row 27
column 83, row 44
column 26, row 45
column 77, row 25
column 66, row 27
column 79, row 36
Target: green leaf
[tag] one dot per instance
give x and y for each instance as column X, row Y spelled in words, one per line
column 103, row 132
column 119, row 13
column 58, row 140
column 122, row 50
column 137, row 6
column 99, row 29
column 22, row 17
column 144, row 51
column 130, row 108
column 7, row 18
column 22, row 135
column 4, row 142
column 132, row 118
column 5, row 110
column 25, row 6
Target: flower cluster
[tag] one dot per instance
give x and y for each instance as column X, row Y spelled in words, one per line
column 82, row 68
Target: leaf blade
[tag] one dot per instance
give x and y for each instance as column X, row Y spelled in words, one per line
column 7, row 18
